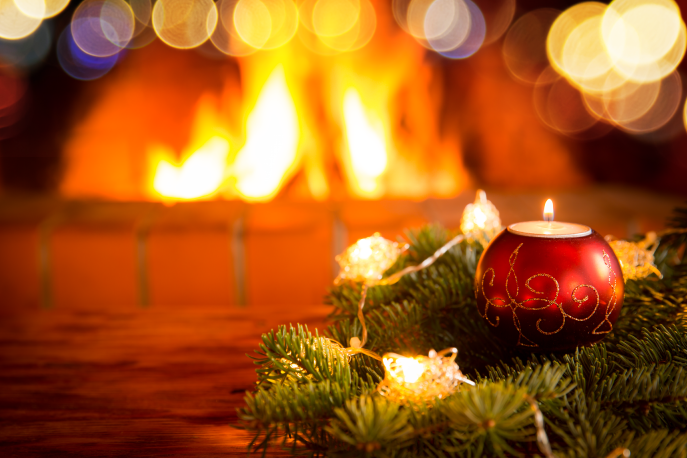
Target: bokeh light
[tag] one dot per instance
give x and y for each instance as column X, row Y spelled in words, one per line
column 29, row 51
column 631, row 52
column 624, row 104
column 475, row 38
column 334, row 17
column 622, row 58
column 640, row 32
column 357, row 36
column 13, row 90
column 564, row 26
column 102, row 28
column 184, row 24
column 453, row 28
column 284, row 14
column 14, row 24
column 32, row 8
column 563, row 107
column 663, row 109
column 331, row 27
column 524, row 47
column 78, row 64
column 253, row 22
column 225, row 37
column 144, row 34
column 399, row 9
column 262, row 24
column 447, row 24
column 498, row 16
column 415, row 17
column 41, row 9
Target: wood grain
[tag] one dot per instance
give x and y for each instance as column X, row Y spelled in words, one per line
column 144, row 383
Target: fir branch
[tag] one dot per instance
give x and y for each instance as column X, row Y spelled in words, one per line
column 542, row 382
column 583, row 428
column 489, row 419
column 675, row 236
column 659, row 444
column 663, row 345
column 295, row 354
column 371, row 423
column 294, row 402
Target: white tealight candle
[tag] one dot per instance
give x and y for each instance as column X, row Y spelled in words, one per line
column 548, row 228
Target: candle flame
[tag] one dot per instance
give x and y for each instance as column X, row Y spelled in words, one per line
column 548, row 210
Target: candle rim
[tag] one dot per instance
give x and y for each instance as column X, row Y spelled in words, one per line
column 584, row 233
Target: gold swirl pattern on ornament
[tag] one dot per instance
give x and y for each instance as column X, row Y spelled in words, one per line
column 612, row 281
column 515, row 305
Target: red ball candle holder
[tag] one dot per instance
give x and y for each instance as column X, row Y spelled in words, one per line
column 549, row 286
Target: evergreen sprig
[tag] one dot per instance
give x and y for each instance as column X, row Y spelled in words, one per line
column 629, row 391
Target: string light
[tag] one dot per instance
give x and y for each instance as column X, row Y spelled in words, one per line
column 636, row 258
column 421, row 379
column 480, row 220
column 367, row 259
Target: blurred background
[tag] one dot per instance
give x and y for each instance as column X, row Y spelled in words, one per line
column 180, row 152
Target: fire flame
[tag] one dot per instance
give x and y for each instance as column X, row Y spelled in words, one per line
column 367, row 153
column 202, row 169
column 260, row 168
column 200, row 175
column 270, row 155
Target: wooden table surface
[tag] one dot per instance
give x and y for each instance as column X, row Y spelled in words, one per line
column 142, row 382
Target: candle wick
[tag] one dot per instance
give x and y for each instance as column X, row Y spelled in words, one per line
column 548, row 217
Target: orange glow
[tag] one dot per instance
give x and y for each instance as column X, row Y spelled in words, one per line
column 366, row 147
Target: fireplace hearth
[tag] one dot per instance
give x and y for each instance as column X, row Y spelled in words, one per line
column 89, row 255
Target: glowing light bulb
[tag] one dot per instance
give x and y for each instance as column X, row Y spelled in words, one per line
column 411, row 368
column 421, row 379
column 548, row 211
column 636, row 258
column 367, row 259
column 480, row 220
column 364, row 250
